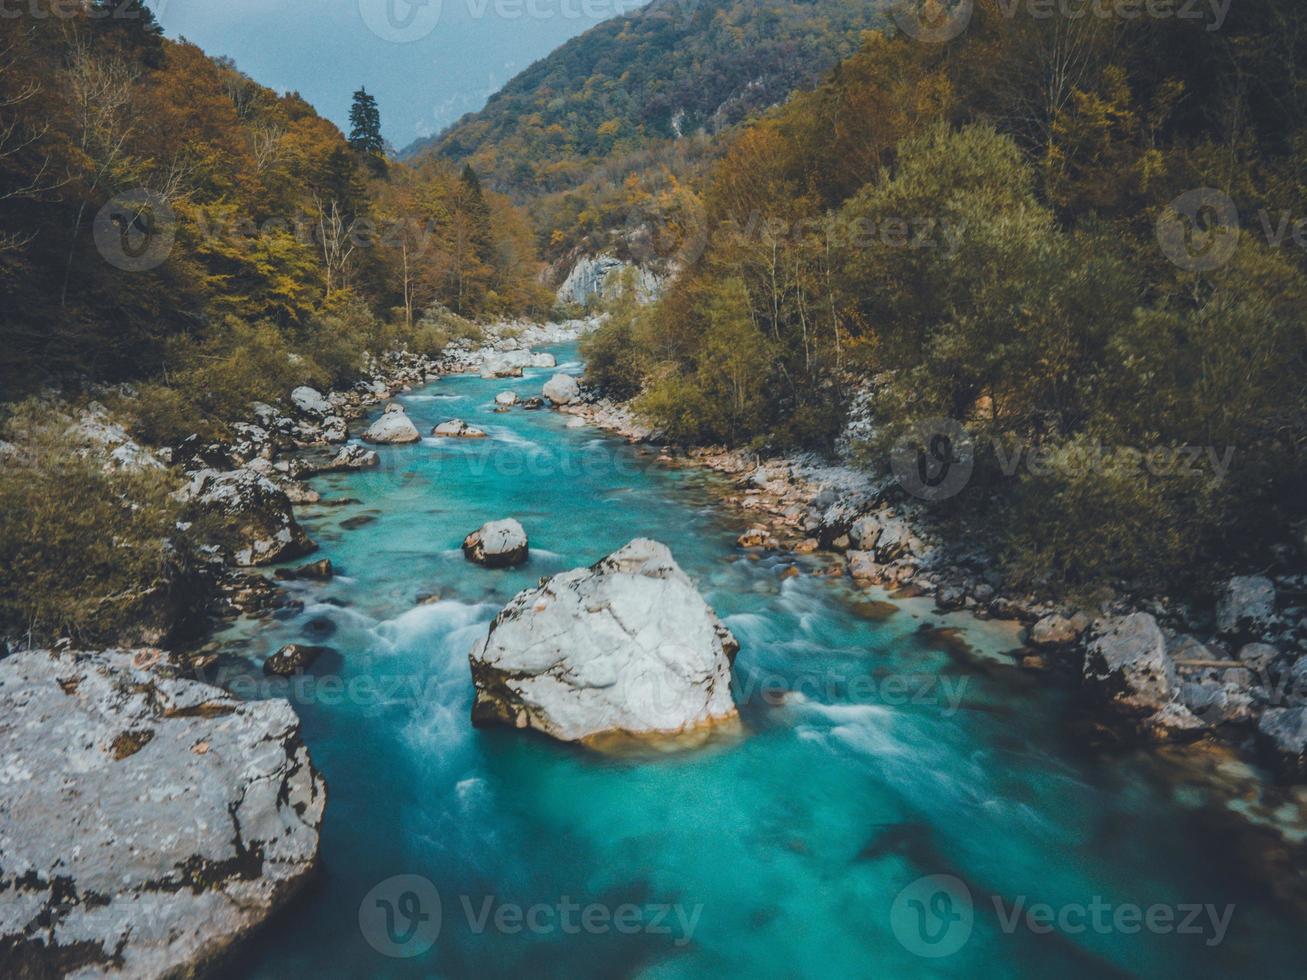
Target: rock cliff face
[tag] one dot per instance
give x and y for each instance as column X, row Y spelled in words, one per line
column 597, row 276
column 625, row 646
column 146, row 822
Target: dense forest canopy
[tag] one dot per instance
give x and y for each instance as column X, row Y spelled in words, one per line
column 984, row 230
column 252, row 212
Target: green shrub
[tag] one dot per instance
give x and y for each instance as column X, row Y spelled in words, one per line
column 94, row 555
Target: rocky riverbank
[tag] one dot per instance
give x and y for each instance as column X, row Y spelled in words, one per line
column 150, row 821
column 1234, row 672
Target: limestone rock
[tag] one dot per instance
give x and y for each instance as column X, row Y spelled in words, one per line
column 1127, row 662
column 562, row 389
column 147, row 822
column 392, row 428
column 498, row 544
column 627, row 645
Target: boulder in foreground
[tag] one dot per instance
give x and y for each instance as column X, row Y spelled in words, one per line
column 498, row 544
column 148, row 822
column 625, row 646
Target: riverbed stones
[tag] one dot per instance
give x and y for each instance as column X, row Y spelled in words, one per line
column 457, row 429
column 393, row 428
column 627, row 645
column 148, row 822
column 1127, row 663
column 562, row 389
column 498, row 544
column 1246, row 606
column 506, row 399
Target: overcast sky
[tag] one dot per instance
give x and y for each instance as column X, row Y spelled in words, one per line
column 427, row 62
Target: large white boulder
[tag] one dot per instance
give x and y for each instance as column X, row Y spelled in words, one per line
column 625, row 646
column 562, row 389
column 147, row 822
column 392, row 427
column 498, row 544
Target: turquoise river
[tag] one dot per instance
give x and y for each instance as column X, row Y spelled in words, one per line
column 873, row 752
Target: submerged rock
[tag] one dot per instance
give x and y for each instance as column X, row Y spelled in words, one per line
column 147, row 822
column 457, row 429
column 292, row 659
column 498, row 544
column 393, row 427
column 1127, row 662
column 627, row 645
column 562, row 389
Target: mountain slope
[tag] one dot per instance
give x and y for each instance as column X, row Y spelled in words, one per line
column 673, row 68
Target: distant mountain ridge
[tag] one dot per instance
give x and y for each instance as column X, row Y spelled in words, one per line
column 671, row 69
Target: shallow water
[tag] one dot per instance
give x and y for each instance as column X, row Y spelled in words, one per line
column 776, row 850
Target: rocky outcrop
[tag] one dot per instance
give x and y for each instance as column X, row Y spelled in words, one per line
column 146, row 822
column 255, row 512
column 1127, row 663
column 562, row 389
column 393, row 428
column 1056, row 630
column 457, row 429
column 506, row 399
column 627, row 645
column 598, row 277
column 498, row 544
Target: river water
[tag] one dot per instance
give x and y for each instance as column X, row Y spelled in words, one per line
column 872, row 753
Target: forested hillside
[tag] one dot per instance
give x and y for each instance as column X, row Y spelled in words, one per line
column 668, row 70
column 162, row 211
column 993, row 230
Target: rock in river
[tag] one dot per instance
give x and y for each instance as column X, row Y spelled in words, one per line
column 625, row 646
column 147, row 822
column 392, row 427
column 562, row 389
column 499, row 544
column 457, row 429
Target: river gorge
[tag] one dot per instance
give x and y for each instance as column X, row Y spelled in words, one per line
column 880, row 743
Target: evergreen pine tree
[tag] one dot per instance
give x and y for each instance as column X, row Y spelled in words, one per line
column 365, row 125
